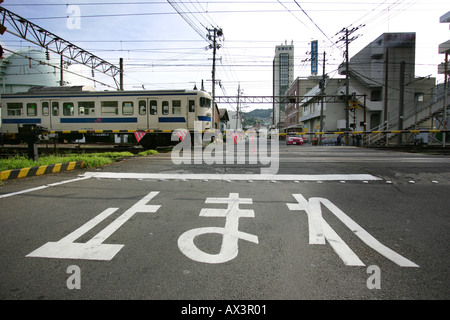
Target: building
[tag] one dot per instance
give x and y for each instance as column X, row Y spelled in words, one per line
column 283, row 76
column 300, row 87
column 18, row 73
column 224, row 119
column 390, row 60
column 385, row 71
column 233, row 123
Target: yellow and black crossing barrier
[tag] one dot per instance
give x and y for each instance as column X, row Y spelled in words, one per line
column 40, row 170
column 281, row 134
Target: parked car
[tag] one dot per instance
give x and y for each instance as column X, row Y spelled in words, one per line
column 294, row 139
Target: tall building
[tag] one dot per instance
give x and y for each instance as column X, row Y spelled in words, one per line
column 283, row 76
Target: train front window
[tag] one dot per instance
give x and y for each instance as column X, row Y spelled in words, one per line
column 205, row 102
column 14, row 109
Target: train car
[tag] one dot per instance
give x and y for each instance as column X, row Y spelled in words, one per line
column 76, row 112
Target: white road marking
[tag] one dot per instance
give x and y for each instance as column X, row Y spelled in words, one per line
column 43, row 187
column 235, row 177
column 231, row 234
column 94, row 249
column 319, row 230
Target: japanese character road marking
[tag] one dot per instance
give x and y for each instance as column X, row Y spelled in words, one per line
column 231, row 234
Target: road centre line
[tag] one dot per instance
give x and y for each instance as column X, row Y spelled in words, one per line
column 236, row 177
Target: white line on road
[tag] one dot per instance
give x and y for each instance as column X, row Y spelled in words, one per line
column 42, row 187
column 231, row 177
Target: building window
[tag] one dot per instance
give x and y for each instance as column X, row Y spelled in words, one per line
column 375, row 95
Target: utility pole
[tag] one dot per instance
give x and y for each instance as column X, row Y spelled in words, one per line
column 401, row 101
column 215, row 34
column 61, row 73
column 121, row 74
column 347, row 41
column 237, row 106
column 322, row 87
column 444, row 134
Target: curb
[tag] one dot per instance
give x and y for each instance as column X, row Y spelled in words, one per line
column 40, row 170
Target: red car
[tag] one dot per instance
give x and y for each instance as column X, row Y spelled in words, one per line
column 294, row 139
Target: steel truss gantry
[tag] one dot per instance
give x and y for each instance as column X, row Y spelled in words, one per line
column 283, row 99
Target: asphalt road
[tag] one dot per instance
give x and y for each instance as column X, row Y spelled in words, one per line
column 339, row 223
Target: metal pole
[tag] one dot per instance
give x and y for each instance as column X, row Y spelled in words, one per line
column 121, row 74
column 444, row 134
column 347, row 90
column 214, row 81
column 61, row 72
column 401, row 101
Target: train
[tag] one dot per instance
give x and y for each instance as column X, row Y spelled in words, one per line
column 77, row 112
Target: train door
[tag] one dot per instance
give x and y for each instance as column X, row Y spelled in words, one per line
column 190, row 114
column 153, row 113
column 50, row 114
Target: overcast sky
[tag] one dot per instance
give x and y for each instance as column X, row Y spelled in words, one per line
column 163, row 49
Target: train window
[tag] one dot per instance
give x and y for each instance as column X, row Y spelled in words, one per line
column 110, row 107
column 86, row 108
column 153, row 107
column 127, row 108
column 176, row 106
column 142, row 107
column 45, row 108
column 68, row 108
column 191, row 105
column 55, row 108
column 205, row 102
column 31, row 109
column 14, row 109
column 165, row 107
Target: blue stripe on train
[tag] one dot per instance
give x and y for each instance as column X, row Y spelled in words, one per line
column 17, row 121
column 172, row 119
column 204, row 118
column 98, row 120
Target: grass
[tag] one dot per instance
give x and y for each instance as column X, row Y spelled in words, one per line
column 91, row 160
